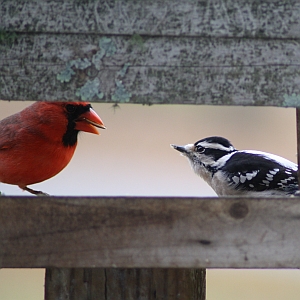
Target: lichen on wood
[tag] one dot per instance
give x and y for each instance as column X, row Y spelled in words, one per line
column 169, row 70
column 209, row 52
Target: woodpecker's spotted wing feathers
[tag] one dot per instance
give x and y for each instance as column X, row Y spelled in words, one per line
column 232, row 172
column 257, row 171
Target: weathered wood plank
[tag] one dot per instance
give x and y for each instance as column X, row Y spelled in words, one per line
column 151, row 70
column 230, row 18
column 149, row 232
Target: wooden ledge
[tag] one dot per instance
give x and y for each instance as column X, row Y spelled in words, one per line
column 149, row 232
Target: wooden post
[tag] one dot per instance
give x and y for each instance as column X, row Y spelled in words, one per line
column 125, row 283
column 298, row 138
column 129, row 284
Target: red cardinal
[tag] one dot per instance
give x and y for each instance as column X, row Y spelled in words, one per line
column 38, row 142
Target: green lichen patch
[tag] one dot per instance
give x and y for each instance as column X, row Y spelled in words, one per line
column 90, row 90
column 68, row 72
column 80, row 63
column 65, row 75
column 97, row 58
column 291, row 100
column 91, row 87
column 137, row 40
column 7, row 37
column 108, row 45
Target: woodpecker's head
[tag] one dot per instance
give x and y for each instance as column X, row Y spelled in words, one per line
column 204, row 154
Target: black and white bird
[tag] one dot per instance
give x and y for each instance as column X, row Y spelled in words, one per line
column 232, row 172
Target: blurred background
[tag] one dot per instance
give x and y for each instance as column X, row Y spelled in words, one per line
column 132, row 157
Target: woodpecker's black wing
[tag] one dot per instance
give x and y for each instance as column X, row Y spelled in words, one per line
column 259, row 171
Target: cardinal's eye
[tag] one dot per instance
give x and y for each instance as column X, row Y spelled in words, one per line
column 70, row 108
column 199, row 149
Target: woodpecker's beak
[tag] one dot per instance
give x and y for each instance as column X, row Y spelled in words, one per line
column 179, row 148
column 88, row 122
column 184, row 149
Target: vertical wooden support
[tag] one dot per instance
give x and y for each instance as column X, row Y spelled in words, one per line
column 124, row 284
column 298, row 139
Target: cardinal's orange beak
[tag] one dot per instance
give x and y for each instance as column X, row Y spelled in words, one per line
column 88, row 122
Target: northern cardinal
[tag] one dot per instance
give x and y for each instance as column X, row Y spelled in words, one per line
column 38, row 142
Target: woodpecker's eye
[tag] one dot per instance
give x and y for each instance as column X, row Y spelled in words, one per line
column 199, row 149
column 70, row 108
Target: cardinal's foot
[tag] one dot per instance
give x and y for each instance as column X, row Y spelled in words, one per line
column 34, row 192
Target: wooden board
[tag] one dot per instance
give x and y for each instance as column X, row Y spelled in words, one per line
column 217, row 18
column 149, row 232
column 157, row 71
column 151, row 52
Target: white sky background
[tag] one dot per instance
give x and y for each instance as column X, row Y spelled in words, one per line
column 132, row 157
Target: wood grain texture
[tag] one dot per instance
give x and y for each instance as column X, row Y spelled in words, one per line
column 229, row 18
column 151, row 70
column 129, row 284
column 149, row 232
column 151, row 52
